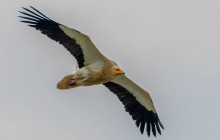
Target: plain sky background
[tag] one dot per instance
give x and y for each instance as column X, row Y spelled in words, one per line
column 169, row 47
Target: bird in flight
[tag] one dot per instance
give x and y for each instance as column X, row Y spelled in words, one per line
column 95, row 68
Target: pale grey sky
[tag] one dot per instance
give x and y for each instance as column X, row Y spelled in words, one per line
column 170, row 48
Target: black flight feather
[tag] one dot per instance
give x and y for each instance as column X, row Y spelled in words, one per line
column 145, row 119
column 39, row 21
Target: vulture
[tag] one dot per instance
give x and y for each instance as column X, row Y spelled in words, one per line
column 95, row 68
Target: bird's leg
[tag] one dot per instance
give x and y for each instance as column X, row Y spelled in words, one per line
column 67, row 82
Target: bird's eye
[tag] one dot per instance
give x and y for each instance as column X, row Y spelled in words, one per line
column 117, row 69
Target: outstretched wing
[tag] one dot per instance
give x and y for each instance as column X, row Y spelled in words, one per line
column 137, row 102
column 78, row 44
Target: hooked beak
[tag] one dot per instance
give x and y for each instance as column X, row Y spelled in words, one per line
column 119, row 72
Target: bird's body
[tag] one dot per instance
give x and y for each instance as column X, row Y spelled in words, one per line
column 94, row 74
column 95, row 68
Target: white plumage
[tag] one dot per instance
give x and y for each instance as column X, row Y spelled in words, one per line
column 97, row 69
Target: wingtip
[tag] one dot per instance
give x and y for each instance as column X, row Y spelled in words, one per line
column 31, row 7
column 158, row 128
column 148, row 129
column 19, row 16
column 155, row 134
column 161, row 125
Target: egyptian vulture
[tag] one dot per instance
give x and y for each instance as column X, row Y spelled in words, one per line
column 95, row 68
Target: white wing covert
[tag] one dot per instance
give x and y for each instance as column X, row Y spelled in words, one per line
column 78, row 44
column 137, row 103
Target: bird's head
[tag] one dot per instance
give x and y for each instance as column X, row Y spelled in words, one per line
column 116, row 69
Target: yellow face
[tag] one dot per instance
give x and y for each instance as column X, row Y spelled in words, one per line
column 118, row 71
